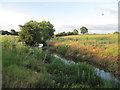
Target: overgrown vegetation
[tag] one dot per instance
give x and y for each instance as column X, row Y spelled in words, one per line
column 31, row 67
column 62, row 49
column 23, row 66
column 68, row 76
column 100, row 49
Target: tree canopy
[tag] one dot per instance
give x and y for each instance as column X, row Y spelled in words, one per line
column 75, row 31
column 116, row 32
column 13, row 32
column 5, row 32
column 2, row 32
column 83, row 30
column 34, row 32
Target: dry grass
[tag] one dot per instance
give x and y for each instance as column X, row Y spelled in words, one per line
column 103, row 48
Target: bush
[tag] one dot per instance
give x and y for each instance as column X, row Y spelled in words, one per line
column 66, row 75
column 62, row 49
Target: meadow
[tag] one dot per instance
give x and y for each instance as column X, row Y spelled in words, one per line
column 30, row 67
column 99, row 49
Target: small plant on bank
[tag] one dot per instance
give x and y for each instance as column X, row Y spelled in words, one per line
column 87, row 57
column 62, row 49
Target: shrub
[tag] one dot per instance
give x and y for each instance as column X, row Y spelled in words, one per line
column 80, row 73
column 62, row 49
column 87, row 57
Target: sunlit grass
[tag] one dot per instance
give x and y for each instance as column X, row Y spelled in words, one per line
column 99, row 47
column 31, row 67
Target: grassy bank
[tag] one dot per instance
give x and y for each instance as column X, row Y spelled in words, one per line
column 31, row 67
column 99, row 49
column 23, row 66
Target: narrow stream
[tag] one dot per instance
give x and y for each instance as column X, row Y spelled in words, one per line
column 104, row 75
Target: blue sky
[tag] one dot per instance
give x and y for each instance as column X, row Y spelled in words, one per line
column 65, row 16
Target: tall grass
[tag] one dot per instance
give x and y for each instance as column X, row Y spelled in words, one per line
column 31, row 67
column 100, row 49
column 23, row 66
column 62, row 49
column 79, row 75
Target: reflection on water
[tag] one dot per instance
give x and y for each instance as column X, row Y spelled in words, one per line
column 64, row 60
column 102, row 73
column 106, row 75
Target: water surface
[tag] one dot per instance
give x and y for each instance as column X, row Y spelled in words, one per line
column 104, row 75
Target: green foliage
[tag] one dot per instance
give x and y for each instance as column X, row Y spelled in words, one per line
column 76, row 52
column 116, row 32
column 62, row 49
column 25, row 67
column 13, row 32
column 87, row 57
column 75, row 31
column 67, row 75
column 2, row 32
column 83, row 30
column 34, row 32
column 15, row 76
column 22, row 66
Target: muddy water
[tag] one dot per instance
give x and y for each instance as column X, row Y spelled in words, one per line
column 104, row 75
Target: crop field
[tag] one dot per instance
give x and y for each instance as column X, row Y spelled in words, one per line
column 101, row 49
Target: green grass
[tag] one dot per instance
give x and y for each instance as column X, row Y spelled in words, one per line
column 23, row 66
column 62, row 49
column 79, row 75
column 91, row 48
column 31, row 67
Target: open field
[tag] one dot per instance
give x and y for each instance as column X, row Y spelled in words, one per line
column 31, row 67
column 101, row 49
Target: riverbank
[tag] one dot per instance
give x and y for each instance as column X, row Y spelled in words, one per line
column 91, row 62
column 103, row 74
column 31, row 67
column 96, row 50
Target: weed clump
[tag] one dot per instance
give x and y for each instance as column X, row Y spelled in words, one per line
column 62, row 49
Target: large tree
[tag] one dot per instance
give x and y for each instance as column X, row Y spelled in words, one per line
column 75, row 32
column 13, row 32
column 83, row 30
column 34, row 32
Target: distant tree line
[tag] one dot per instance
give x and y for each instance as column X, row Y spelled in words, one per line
column 12, row 32
column 75, row 32
column 116, row 32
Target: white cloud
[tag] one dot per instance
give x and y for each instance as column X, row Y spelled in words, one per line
column 112, row 9
column 11, row 20
column 108, row 28
column 101, row 31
